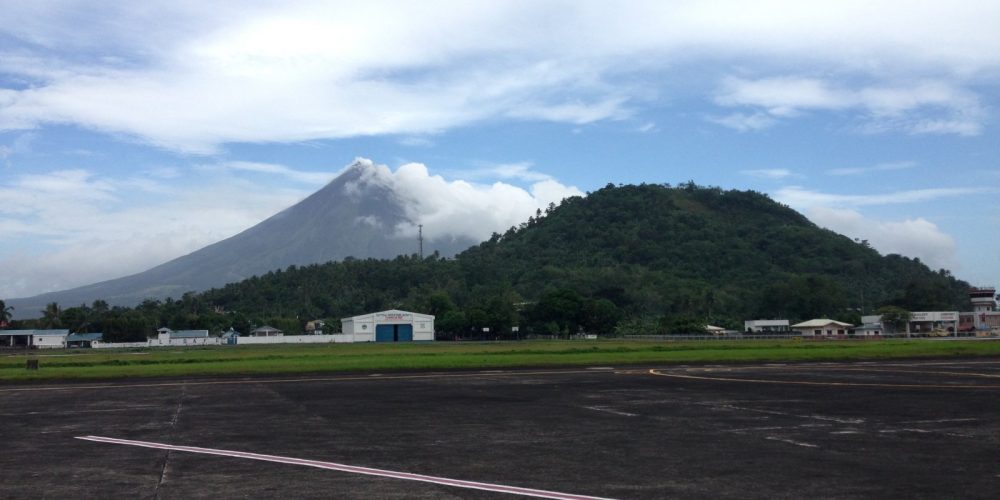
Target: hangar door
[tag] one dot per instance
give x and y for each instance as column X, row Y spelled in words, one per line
column 393, row 333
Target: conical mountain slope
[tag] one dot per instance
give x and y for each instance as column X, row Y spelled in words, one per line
column 355, row 215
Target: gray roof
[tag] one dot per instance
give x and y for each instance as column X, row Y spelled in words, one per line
column 8, row 333
column 189, row 334
column 266, row 328
column 87, row 337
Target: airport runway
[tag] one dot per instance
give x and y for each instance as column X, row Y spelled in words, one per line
column 899, row 429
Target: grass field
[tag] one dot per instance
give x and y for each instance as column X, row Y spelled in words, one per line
column 286, row 359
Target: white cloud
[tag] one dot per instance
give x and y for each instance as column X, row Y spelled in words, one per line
column 910, row 237
column 194, row 76
column 802, row 198
column 917, row 108
column 461, row 208
column 71, row 227
column 881, row 167
column 521, row 171
column 771, row 173
column 743, row 122
column 305, row 177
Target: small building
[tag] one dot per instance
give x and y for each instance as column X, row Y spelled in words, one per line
column 166, row 336
column 822, row 327
column 715, row 330
column 266, row 331
column 933, row 323
column 389, row 326
column 83, row 339
column 40, row 339
column 230, row 336
column 315, row 327
column 766, row 326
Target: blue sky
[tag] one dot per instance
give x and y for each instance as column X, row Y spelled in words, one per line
column 132, row 133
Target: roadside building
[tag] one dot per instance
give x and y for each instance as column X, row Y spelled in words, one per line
column 83, row 339
column 822, row 327
column 39, row 339
column 933, row 323
column 266, row 331
column 166, row 336
column 872, row 326
column 230, row 336
column 389, row 326
column 766, row 326
column 984, row 319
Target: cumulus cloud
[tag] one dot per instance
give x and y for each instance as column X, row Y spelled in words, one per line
column 195, row 76
column 910, row 237
column 459, row 208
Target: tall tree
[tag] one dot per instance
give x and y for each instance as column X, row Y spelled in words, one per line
column 6, row 312
column 50, row 316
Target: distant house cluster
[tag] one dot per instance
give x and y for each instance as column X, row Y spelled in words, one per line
column 983, row 320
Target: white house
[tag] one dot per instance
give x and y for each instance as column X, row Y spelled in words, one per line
column 166, row 336
column 41, row 339
column 821, row 328
column 389, row 326
column 766, row 326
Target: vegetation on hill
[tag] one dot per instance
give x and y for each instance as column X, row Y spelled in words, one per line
column 624, row 259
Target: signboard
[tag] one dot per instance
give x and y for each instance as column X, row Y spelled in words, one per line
column 393, row 317
column 934, row 316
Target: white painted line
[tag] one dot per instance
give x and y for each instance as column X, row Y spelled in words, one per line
column 611, row 411
column 258, row 380
column 940, row 420
column 789, row 441
column 458, row 483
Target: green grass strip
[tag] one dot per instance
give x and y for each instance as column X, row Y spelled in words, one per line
column 290, row 359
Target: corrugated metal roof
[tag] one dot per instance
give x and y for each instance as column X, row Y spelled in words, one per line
column 816, row 323
column 7, row 333
column 87, row 337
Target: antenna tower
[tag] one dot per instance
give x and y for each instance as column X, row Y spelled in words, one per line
column 420, row 232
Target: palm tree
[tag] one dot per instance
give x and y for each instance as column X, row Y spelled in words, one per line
column 50, row 316
column 5, row 313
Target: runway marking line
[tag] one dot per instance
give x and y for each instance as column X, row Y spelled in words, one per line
column 352, row 378
column 660, row 373
column 353, row 469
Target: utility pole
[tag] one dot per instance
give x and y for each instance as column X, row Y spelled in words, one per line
column 420, row 233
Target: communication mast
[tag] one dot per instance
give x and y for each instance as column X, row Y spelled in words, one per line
column 420, row 235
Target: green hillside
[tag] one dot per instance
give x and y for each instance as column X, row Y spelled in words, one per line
column 645, row 258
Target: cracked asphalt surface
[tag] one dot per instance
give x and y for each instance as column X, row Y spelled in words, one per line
column 900, row 429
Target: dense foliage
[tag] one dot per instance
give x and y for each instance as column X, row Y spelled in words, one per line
column 625, row 259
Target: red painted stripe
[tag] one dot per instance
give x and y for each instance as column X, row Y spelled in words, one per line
column 459, row 483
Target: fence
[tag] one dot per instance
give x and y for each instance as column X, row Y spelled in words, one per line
column 296, row 339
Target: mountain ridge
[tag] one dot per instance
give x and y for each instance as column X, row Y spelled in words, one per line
column 354, row 215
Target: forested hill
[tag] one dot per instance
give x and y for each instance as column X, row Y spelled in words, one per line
column 632, row 258
column 707, row 252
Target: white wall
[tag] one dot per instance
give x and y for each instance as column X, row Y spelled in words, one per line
column 296, row 339
column 97, row 344
column 49, row 341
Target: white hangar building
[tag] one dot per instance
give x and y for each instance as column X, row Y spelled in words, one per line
column 389, row 326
